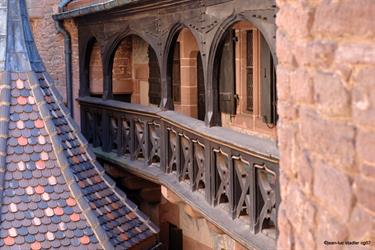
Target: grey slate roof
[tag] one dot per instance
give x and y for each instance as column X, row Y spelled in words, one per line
column 3, row 31
column 53, row 192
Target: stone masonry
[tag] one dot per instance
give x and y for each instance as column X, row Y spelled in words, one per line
column 326, row 106
column 326, row 130
column 51, row 45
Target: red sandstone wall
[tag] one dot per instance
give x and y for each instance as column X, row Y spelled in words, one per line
column 51, row 45
column 122, row 68
column 326, row 131
column 188, row 69
column 96, row 70
column 72, row 29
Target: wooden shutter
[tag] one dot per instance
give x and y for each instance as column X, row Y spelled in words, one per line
column 154, row 78
column 201, row 90
column 249, row 71
column 227, row 74
column 176, row 74
column 267, row 87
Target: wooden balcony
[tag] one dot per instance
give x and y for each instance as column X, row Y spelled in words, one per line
column 230, row 178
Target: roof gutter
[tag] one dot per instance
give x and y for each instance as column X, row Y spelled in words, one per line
column 68, row 57
column 110, row 4
column 62, row 4
column 134, row 5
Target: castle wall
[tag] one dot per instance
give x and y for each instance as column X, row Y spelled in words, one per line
column 326, row 130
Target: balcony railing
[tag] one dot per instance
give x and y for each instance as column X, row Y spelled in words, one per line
column 235, row 174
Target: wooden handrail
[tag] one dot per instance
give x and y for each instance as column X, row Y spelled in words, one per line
column 234, row 172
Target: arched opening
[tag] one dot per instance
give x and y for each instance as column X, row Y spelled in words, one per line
column 135, row 72
column 95, row 74
column 185, row 75
column 245, row 78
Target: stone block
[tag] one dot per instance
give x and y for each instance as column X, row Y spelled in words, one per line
column 286, row 239
column 305, row 216
column 316, row 53
column 361, row 223
column 305, row 240
column 329, row 229
column 301, row 89
column 365, row 192
column 286, row 142
column 344, row 18
column 304, row 170
column 355, row 53
column 334, row 189
column 364, row 145
column 284, row 47
column 364, row 96
column 367, row 170
column 330, row 94
column 287, row 110
column 333, row 140
column 296, row 20
column 283, row 83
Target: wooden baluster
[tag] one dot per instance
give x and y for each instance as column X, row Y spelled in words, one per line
column 191, row 164
column 163, row 151
column 252, row 213
column 106, row 131
column 132, row 143
column 120, row 135
column 96, row 132
column 84, row 123
column 276, row 170
column 146, row 142
column 230, row 191
column 210, row 174
column 178, row 154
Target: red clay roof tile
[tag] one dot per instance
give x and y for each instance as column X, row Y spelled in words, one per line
column 9, row 241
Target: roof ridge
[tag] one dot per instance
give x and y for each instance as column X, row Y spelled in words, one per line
column 5, row 88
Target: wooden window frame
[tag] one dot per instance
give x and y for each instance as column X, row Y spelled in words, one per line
column 253, row 118
column 256, row 71
column 249, row 79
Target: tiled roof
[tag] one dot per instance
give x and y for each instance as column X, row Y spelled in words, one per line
column 54, row 194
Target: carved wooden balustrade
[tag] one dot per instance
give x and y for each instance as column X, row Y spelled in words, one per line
column 223, row 166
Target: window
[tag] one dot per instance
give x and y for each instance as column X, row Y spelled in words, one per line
column 268, row 82
column 249, row 71
column 246, row 80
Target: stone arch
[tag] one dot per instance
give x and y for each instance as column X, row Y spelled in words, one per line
column 86, row 54
column 132, row 81
column 109, row 53
column 189, row 46
column 173, row 34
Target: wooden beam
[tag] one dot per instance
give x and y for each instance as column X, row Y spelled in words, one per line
column 151, row 195
column 170, row 196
